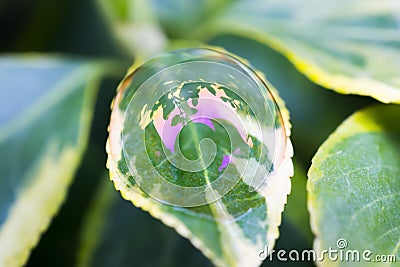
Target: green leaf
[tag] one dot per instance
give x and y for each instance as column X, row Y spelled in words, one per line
column 221, row 230
column 176, row 119
column 46, row 108
column 354, row 186
column 134, row 26
column 351, row 48
column 180, row 17
column 136, row 23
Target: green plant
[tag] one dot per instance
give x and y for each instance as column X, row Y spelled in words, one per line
column 303, row 47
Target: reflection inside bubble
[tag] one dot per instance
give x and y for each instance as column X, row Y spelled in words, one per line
column 193, row 112
column 198, row 125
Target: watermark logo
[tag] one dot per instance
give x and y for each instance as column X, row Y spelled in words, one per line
column 338, row 253
column 341, row 243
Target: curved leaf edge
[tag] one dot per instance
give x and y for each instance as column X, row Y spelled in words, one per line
column 338, row 83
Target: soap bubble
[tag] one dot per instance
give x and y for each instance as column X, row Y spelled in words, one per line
column 195, row 123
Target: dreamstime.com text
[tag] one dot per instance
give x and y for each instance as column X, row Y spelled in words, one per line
column 340, row 253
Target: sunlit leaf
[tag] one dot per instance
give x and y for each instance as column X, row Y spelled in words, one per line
column 350, row 47
column 354, row 188
column 46, row 108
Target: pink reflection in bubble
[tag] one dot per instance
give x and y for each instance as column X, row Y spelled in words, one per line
column 205, row 121
column 209, row 107
column 225, row 161
column 165, row 130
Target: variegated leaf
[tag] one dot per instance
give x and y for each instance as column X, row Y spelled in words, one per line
column 46, row 104
column 231, row 230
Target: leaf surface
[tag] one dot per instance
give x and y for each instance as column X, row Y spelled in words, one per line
column 46, row 109
column 350, row 47
column 354, row 187
column 216, row 229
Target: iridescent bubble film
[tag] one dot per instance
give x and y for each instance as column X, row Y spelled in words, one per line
column 196, row 122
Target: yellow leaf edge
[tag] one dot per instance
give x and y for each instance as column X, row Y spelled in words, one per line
column 340, row 83
column 49, row 201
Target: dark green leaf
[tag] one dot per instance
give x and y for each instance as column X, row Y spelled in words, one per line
column 117, row 234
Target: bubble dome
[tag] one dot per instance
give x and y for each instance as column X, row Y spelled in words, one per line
column 195, row 123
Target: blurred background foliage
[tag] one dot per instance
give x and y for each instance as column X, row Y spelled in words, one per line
column 132, row 237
